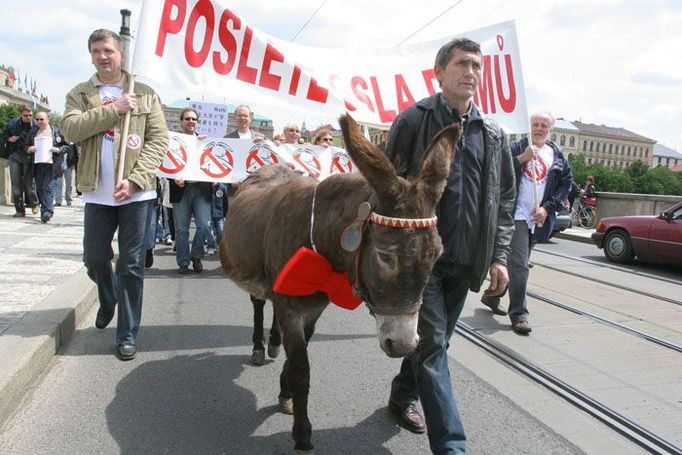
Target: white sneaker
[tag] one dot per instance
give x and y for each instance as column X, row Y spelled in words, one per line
column 210, row 251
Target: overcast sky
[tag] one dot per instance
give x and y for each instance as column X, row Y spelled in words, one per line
column 611, row 62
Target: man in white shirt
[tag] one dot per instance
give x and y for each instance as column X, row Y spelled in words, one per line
column 94, row 116
column 543, row 162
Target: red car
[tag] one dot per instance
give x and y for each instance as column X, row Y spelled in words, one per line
column 650, row 238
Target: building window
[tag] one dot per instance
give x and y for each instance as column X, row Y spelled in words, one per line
column 646, row 153
column 610, row 148
column 589, row 161
column 584, row 146
column 608, row 163
column 571, row 142
column 591, row 145
column 562, row 141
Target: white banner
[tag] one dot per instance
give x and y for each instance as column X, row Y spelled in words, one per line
column 231, row 160
column 204, row 47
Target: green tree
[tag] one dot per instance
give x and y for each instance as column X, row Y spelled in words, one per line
column 7, row 112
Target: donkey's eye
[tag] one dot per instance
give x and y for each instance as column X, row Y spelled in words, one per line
column 386, row 259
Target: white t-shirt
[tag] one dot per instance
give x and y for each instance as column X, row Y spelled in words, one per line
column 106, row 182
column 246, row 135
column 524, row 200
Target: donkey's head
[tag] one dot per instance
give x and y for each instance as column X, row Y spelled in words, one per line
column 400, row 243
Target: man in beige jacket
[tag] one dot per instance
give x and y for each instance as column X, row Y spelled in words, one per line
column 94, row 115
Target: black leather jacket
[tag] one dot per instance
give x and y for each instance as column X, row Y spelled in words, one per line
column 410, row 137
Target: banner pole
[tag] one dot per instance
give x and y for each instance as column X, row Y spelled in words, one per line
column 124, row 134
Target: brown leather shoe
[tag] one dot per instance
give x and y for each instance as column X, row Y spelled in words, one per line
column 408, row 416
column 522, row 328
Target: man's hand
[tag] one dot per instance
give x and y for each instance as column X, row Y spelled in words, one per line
column 124, row 190
column 54, row 149
column 180, row 182
column 201, row 137
column 499, row 279
column 527, row 154
column 12, row 139
column 539, row 216
column 125, row 103
column 31, row 149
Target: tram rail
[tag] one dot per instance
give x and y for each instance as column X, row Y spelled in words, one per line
column 620, row 423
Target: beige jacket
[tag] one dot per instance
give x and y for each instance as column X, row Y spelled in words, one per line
column 86, row 119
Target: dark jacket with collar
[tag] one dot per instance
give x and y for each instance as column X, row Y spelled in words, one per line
column 233, row 135
column 16, row 151
column 488, row 158
column 559, row 179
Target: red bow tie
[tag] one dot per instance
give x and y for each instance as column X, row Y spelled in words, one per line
column 307, row 272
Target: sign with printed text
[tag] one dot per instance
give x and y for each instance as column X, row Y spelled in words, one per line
column 206, row 47
column 232, row 160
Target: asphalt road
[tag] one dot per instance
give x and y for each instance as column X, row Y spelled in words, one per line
column 191, row 390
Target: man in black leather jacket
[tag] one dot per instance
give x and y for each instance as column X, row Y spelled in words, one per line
column 475, row 223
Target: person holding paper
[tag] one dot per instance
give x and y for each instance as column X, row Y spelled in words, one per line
column 48, row 146
column 94, row 115
column 535, row 211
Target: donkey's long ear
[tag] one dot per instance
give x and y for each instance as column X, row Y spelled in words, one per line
column 436, row 167
column 371, row 161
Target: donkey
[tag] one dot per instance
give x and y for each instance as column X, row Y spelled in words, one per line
column 276, row 211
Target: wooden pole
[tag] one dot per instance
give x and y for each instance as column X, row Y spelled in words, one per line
column 124, row 134
column 536, row 203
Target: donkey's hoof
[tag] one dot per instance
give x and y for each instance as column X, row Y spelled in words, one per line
column 273, row 351
column 258, row 357
column 286, row 406
column 304, row 452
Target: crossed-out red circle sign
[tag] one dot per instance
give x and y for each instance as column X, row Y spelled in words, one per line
column 176, row 156
column 341, row 163
column 540, row 169
column 216, row 160
column 306, row 158
column 260, row 155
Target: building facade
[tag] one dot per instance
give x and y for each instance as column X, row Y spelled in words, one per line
column 609, row 146
column 665, row 156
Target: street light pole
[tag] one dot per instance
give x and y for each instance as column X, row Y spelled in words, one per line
column 125, row 38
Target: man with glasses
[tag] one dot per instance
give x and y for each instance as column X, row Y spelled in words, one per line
column 190, row 198
column 94, row 116
column 20, row 161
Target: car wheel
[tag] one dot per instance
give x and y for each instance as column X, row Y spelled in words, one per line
column 618, row 248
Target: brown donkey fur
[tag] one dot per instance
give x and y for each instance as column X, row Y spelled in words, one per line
column 270, row 220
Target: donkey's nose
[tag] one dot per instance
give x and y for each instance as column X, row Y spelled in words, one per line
column 397, row 348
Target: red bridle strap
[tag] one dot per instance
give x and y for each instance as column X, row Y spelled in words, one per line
column 405, row 223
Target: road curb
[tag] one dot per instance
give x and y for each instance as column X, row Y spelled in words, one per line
column 574, row 237
column 29, row 346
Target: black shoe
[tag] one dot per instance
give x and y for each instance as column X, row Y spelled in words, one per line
column 184, row 270
column 197, row 265
column 46, row 217
column 19, row 214
column 495, row 308
column 126, row 351
column 149, row 259
column 104, row 317
column 57, row 204
column 408, row 416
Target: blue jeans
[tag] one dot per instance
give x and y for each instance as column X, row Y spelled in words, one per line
column 21, row 175
column 125, row 285
column 44, row 182
column 216, row 230
column 192, row 203
column 150, row 235
column 424, row 374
